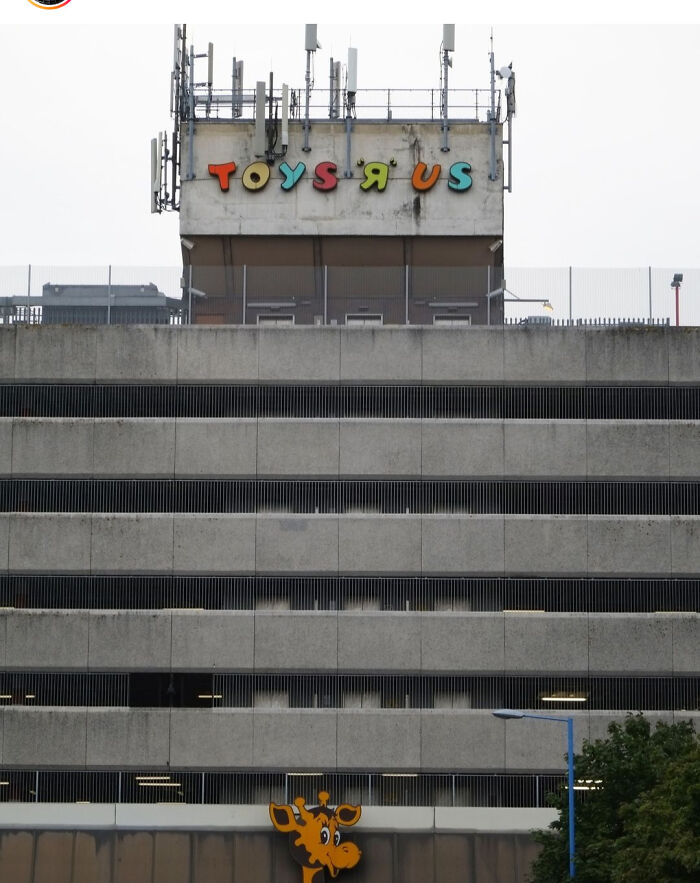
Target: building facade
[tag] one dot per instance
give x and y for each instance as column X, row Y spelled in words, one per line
column 243, row 564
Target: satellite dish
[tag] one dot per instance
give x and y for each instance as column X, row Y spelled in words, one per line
column 505, row 72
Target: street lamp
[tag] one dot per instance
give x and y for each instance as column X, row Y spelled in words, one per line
column 677, row 279
column 511, row 714
column 514, row 299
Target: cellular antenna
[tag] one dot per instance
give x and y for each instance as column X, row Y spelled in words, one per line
column 448, row 45
column 311, row 44
column 259, row 137
column 334, row 91
column 350, row 90
column 236, row 88
column 285, row 116
column 508, row 74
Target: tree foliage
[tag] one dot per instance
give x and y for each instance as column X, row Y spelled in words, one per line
column 641, row 820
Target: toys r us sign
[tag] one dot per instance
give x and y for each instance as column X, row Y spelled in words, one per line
column 256, row 175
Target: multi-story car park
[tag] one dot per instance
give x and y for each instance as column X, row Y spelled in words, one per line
column 241, row 564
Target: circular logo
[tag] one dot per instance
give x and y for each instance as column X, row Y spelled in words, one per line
column 49, row 4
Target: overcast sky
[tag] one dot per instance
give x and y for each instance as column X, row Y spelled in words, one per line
column 606, row 138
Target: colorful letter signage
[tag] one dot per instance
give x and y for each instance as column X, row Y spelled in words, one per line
column 376, row 175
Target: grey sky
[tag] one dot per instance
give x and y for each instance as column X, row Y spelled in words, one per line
column 605, row 140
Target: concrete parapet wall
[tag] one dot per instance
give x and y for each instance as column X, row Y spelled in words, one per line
column 363, row 642
column 469, row 545
column 380, row 740
column 163, row 354
column 323, row 448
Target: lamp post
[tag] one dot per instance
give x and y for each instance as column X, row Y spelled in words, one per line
column 676, row 283
column 511, row 714
column 501, row 292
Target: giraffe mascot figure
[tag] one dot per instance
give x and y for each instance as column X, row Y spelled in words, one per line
column 314, row 835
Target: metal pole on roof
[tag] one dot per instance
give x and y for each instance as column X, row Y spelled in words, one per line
column 109, row 295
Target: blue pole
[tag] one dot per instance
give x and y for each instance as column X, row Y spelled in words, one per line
column 570, row 744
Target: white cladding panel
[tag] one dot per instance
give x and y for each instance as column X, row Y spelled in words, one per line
column 348, row 210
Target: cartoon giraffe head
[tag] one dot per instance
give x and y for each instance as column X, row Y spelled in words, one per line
column 315, row 836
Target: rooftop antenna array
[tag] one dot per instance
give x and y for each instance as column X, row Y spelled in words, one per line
column 185, row 95
column 165, row 163
column 267, row 131
column 448, row 45
column 272, row 112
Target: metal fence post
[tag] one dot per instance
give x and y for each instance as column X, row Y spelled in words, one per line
column 406, row 291
column 109, row 295
column 325, row 294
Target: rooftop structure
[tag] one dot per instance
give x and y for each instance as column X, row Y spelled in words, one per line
column 91, row 305
column 368, row 207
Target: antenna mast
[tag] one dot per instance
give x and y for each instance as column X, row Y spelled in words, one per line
column 448, row 45
column 492, row 115
column 312, row 44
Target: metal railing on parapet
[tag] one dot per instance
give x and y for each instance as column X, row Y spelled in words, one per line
column 344, row 295
column 368, row 104
column 196, row 787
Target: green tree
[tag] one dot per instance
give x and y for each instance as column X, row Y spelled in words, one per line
column 626, row 773
column 661, row 839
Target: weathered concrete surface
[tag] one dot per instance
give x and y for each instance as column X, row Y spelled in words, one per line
column 475, row 740
column 296, row 543
column 160, row 354
column 463, row 544
column 303, row 448
column 52, row 447
column 537, row 355
column 379, row 544
column 379, row 448
column 454, row 644
column 217, row 740
column 49, row 543
column 38, row 639
column 132, row 543
column 545, row 448
column 140, row 448
column 213, row 544
column 346, row 210
column 379, row 354
column 462, row 448
column 129, row 640
column 556, row 643
column 128, row 738
column 213, row 640
column 546, row 544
